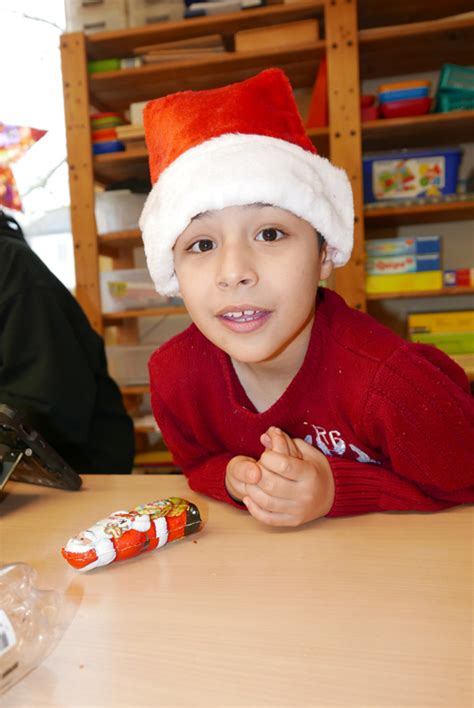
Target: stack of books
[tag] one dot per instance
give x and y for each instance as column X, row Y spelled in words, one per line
column 131, row 136
column 452, row 332
column 182, row 50
column 403, row 264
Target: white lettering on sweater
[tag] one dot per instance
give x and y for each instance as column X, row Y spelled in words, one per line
column 331, row 443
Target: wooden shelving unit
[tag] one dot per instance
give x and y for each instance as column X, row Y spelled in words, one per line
column 361, row 40
column 376, row 217
column 404, row 295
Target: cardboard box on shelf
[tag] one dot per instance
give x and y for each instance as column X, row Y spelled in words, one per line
column 98, row 16
column 404, row 282
column 384, row 265
column 289, row 34
column 428, row 322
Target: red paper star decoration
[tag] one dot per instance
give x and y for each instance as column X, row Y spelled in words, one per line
column 15, row 140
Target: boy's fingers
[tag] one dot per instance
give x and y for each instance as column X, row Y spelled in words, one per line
column 268, row 517
column 267, row 501
column 284, row 465
column 247, row 472
column 279, row 442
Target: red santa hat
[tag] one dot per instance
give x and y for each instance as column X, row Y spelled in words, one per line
column 241, row 144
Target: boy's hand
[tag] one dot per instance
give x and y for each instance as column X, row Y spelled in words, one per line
column 296, row 483
column 241, row 470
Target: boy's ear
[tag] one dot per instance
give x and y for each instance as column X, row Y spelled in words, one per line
column 326, row 264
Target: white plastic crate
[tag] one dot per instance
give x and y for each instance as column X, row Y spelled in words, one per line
column 118, row 210
column 130, row 289
column 95, row 15
column 128, row 364
column 146, row 12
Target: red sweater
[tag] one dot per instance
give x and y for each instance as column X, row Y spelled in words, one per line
column 395, row 419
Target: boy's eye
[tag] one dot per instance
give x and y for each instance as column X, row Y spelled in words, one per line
column 201, row 246
column 270, row 234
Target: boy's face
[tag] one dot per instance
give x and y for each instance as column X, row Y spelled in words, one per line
column 248, row 276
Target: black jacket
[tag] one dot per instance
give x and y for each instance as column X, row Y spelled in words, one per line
column 53, row 366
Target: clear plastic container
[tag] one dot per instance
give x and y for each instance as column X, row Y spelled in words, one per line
column 129, row 289
column 128, row 364
column 118, row 210
column 29, row 622
column 96, row 16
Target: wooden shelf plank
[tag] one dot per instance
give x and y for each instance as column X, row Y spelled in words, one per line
column 380, row 217
column 103, row 45
column 114, row 318
column 135, row 390
column 403, row 48
column 402, row 295
column 113, row 241
column 373, row 13
column 419, row 131
column 117, row 89
column 120, row 166
column 466, row 362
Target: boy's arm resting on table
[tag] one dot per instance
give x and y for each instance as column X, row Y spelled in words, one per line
column 204, row 470
column 420, row 414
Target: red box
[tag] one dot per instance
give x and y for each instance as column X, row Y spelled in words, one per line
column 407, row 107
column 463, row 277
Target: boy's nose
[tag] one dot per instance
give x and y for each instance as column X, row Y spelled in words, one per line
column 235, row 268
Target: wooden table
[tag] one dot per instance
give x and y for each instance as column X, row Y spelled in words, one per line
column 364, row 611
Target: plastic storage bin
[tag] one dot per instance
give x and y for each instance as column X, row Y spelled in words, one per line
column 118, row 210
column 128, row 365
column 456, row 77
column 410, row 174
column 130, row 289
column 95, row 15
column 147, row 12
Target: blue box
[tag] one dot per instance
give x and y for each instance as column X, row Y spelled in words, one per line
column 391, row 265
column 409, row 174
column 402, row 246
column 403, row 94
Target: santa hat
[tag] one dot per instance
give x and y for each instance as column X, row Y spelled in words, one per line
column 241, row 144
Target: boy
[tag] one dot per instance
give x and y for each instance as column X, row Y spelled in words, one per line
column 279, row 397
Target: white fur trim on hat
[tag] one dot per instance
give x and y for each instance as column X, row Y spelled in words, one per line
column 235, row 170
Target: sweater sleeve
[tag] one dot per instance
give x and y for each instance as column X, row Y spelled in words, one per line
column 420, row 416
column 204, row 469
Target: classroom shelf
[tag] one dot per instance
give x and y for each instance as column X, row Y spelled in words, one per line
column 432, row 129
column 120, row 166
column 135, row 390
column 415, row 47
column 421, row 293
column 113, row 318
column 110, row 243
column 380, row 217
column 373, row 13
column 103, row 45
column 117, row 89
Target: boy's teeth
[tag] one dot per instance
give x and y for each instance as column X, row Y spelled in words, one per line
column 239, row 315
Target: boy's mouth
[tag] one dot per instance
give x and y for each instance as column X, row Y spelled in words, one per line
column 245, row 319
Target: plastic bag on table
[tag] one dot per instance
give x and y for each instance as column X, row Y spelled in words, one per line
column 29, row 622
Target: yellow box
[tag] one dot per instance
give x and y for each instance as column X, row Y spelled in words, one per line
column 438, row 322
column 404, row 282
